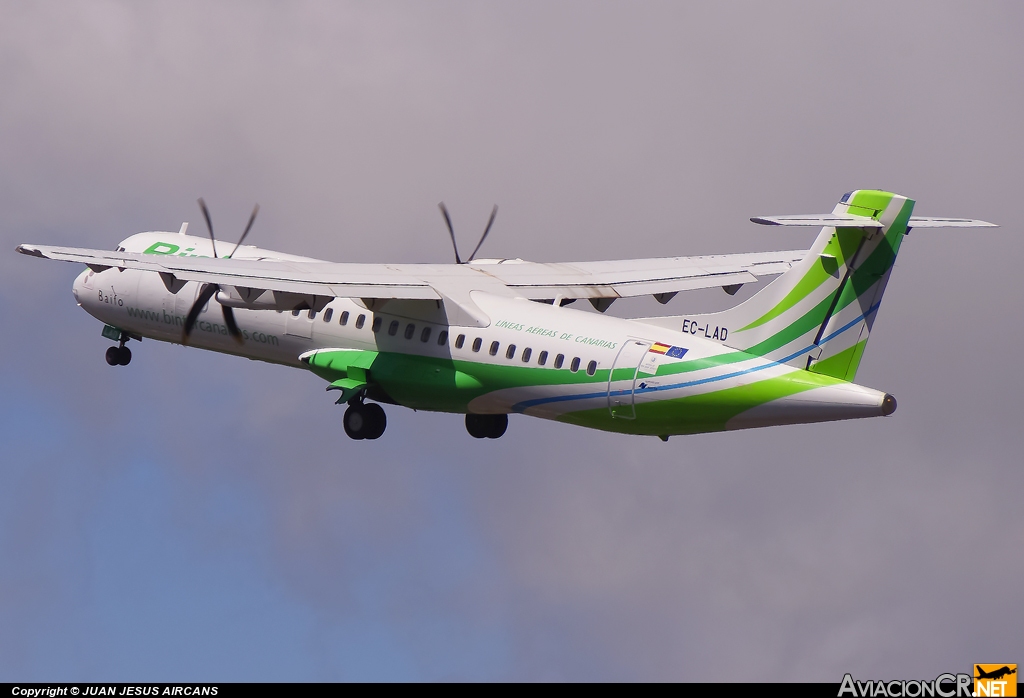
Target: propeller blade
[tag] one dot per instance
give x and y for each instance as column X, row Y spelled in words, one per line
column 451, row 230
column 229, row 320
column 193, row 314
column 494, row 212
column 247, row 229
column 209, row 225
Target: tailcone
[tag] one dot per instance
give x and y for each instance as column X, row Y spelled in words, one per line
column 888, row 404
column 825, row 403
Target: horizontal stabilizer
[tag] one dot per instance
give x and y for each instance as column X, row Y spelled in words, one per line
column 924, row 222
column 830, row 220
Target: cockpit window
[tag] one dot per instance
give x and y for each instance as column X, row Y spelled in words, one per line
column 846, row 197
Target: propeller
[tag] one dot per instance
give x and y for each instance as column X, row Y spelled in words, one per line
column 209, row 290
column 451, row 231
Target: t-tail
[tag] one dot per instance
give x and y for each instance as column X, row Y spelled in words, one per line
column 819, row 314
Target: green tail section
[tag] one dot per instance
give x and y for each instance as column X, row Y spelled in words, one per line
column 818, row 315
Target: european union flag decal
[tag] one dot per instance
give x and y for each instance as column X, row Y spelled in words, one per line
column 676, row 352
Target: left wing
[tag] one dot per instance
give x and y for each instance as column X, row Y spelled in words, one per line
column 292, row 284
column 534, row 280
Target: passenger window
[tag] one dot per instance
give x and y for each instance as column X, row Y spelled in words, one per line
column 295, row 313
column 494, row 348
column 359, row 321
column 459, row 341
column 425, row 334
column 542, row 358
column 328, row 314
column 511, row 353
column 410, row 330
column 443, row 337
column 558, row 360
column 311, row 315
column 591, row 368
column 344, row 318
column 393, row 328
column 575, row 365
column 526, row 354
column 477, row 344
column 377, row 322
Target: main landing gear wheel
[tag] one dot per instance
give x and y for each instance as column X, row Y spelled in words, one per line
column 365, row 421
column 119, row 356
column 486, row 426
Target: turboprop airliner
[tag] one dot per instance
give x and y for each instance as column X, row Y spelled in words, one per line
column 491, row 337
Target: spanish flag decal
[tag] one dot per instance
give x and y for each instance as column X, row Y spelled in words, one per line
column 668, row 350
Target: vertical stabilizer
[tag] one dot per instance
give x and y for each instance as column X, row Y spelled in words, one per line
column 819, row 313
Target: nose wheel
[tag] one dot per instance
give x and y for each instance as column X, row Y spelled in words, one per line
column 119, row 356
column 486, row 426
column 365, row 421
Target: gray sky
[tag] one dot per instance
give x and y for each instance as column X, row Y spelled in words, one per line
column 199, row 517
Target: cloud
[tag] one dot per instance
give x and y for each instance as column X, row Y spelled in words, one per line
column 202, row 516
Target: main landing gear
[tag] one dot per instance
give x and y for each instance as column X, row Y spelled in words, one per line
column 486, row 426
column 364, row 421
column 119, row 355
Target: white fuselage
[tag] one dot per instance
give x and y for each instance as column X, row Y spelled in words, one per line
column 139, row 303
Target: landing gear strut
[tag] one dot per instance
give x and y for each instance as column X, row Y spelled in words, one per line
column 486, row 426
column 119, row 355
column 364, row 421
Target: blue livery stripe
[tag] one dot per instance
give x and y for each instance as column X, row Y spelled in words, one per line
column 527, row 404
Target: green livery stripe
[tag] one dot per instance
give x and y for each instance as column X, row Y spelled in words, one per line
column 842, row 246
column 843, row 365
column 798, row 328
column 879, row 262
column 443, row 384
column 810, row 320
column 698, row 413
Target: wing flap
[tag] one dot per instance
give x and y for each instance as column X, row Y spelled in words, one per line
column 639, row 277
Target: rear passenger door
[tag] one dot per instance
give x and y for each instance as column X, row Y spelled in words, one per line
column 622, row 378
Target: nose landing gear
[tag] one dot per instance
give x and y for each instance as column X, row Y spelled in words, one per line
column 486, row 426
column 364, row 421
column 119, row 355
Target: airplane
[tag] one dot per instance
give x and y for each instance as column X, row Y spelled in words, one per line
column 491, row 337
column 995, row 674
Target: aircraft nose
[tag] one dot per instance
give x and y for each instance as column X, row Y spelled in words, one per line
column 81, row 283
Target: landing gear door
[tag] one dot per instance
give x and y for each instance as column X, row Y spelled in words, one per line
column 622, row 379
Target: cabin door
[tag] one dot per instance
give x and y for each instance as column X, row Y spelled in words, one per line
column 622, row 378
